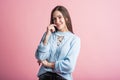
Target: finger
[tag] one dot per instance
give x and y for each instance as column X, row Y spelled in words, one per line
column 53, row 29
column 54, row 25
column 39, row 62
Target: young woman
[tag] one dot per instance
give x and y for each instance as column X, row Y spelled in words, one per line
column 59, row 47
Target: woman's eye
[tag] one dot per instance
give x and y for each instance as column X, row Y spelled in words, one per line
column 54, row 19
column 60, row 17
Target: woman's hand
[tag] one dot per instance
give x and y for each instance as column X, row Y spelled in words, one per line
column 45, row 63
column 39, row 62
column 48, row 64
column 50, row 29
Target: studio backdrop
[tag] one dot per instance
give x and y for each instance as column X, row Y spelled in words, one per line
column 96, row 22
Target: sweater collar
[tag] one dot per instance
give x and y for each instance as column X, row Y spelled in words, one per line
column 59, row 33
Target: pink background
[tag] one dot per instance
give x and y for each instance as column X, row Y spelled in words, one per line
column 97, row 22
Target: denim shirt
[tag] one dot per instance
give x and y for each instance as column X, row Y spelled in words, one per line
column 65, row 55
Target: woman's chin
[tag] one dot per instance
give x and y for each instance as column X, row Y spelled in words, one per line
column 58, row 28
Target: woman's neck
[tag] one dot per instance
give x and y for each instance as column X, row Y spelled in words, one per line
column 64, row 30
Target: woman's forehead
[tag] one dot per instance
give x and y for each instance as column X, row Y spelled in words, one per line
column 57, row 14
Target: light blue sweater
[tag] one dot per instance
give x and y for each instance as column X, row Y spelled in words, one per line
column 65, row 55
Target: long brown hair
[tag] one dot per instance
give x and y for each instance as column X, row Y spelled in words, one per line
column 65, row 14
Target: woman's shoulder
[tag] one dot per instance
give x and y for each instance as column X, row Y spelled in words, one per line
column 75, row 39
column 75, row 36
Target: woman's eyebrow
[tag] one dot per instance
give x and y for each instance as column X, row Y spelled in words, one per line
column 56, row 16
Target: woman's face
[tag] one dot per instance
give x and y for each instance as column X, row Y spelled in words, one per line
column 59, row 21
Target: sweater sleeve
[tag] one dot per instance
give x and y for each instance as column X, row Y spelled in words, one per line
column 67, row 65
column 42, row 51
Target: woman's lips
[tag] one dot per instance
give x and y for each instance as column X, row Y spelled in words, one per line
column 58, row 25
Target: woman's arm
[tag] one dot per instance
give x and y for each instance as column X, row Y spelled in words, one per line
column 67, row 65
column 48, row 64
column 50, row 29
column 42, row 52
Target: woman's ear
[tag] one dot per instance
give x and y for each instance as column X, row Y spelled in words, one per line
column 66, row 19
